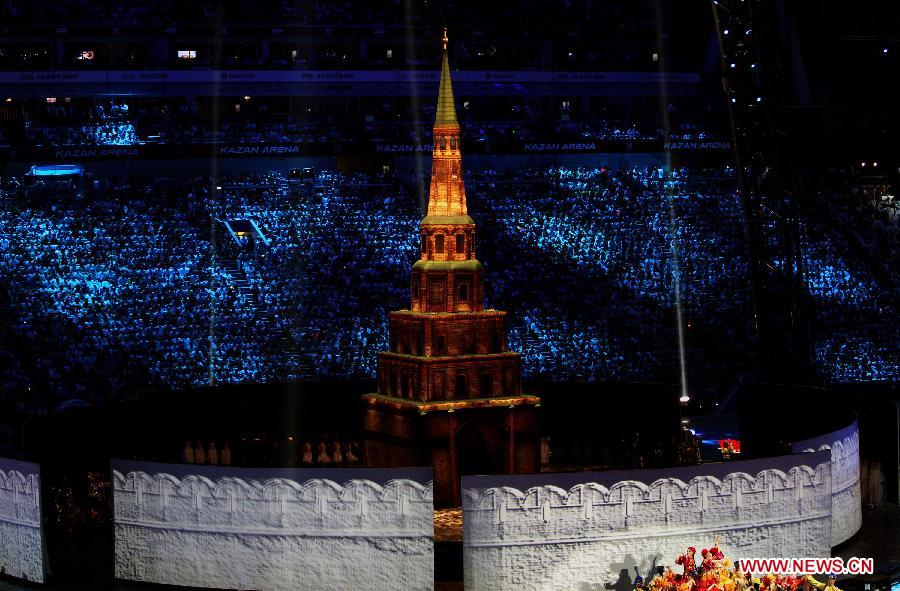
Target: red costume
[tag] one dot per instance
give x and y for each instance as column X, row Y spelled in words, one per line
column 687, row 560
column 788, row 582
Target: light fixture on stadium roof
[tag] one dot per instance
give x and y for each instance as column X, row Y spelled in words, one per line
column 684, row 398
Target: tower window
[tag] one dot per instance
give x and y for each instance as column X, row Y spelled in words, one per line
column 438, row 386
column 463, row 290
column 461, row 386
column 415, row 290
column 460, row 244
column 437, row 292
column 424, row 243
column 443, row 142
column 508, row 380
column 439, row 244
column 469, row 343
column 441, row 345
column 495, row 341
column 485, row 385
column 452, row 142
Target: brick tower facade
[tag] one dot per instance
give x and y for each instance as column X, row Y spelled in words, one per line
column 449, row 389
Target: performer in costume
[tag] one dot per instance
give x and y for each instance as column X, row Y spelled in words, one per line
column 687, row 560
column 667, row 581
column 323, row 458
column 638, row 583
column 685, row 584
column 336, row 457
column 352, row 458
column 768, row 584
column 716, row 555
column 199, row 453
column 307, row 457
column 212, row 455
column 740, row 580
column 707, row 563
column 225, row 457
column 788, row 583
column 829, row 586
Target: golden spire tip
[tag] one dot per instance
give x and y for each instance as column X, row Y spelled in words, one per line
column 445, row 39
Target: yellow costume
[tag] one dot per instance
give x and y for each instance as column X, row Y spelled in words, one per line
column 822, row 586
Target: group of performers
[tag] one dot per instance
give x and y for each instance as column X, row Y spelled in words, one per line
column 714, row 572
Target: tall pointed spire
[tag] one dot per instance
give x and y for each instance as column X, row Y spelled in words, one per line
column 448, row 192
column 446, row 110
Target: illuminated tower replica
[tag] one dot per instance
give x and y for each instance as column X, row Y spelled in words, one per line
column 449, row 389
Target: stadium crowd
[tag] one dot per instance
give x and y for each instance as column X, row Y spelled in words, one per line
column 128, row 291
column 126, row 132
column 80, row 121
column 140, row 284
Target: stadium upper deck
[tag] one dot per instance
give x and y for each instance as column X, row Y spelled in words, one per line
column 577, row 35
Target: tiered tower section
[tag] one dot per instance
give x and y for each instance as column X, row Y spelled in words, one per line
column 447, row 353
column 447, row 346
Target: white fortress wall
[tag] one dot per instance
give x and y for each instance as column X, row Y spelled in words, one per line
column 273, row 534
column 846, row 508
column 546, row 537
column 21, row 540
